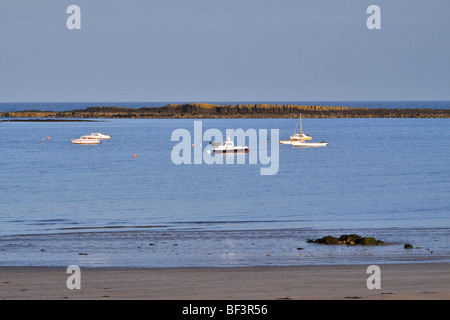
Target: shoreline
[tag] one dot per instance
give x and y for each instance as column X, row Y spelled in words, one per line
column 338, row 282
column 240, row 111
column 224, row 248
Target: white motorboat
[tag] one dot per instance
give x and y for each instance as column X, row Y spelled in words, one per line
column 85, row 140
column 229, row 147
column 308, row 144
column 98, row 135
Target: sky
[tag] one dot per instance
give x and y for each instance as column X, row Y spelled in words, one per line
column 224, row 50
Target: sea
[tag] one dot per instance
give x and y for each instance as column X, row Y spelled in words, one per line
column 127, row 203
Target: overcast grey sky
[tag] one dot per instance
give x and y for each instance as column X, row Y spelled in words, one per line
column 224, row 50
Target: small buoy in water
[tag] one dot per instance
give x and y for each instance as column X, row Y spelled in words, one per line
column 135, row 156
column 48, row 138
column 42, row 143
column 192, row 145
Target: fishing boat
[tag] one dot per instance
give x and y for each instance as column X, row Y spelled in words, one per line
column 85, row 140
column 229, row 147
column 98, row 135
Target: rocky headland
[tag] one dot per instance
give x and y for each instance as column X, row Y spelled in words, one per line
column 204, row 110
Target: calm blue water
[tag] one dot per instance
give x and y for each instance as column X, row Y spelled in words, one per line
column 388, row 178
column 65, row 106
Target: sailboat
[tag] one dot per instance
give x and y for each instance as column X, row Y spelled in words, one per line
column 298, row 139
column 303, row 143
column 296, row 136
column 300, row 135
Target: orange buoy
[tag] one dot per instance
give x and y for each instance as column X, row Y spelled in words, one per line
column 48, row 138
column 135, row 156
column 192, row 145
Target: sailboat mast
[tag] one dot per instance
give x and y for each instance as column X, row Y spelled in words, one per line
column 301, row 129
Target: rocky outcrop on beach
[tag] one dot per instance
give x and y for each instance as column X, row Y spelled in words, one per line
column 352, row 239
column 204, row 110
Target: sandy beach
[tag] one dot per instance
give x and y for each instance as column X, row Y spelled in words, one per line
column 398, row 281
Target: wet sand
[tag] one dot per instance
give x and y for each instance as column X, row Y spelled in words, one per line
column 398, row 281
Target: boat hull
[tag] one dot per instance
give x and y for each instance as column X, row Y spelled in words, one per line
column 231, row 151
column 88, row 141
column 309, row 144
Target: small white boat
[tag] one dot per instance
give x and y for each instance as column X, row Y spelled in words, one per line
column 300, row 135
column 308, row 144
column 229, row 147
column 98, row 135
column 298, row 139
column 85, row 140
column 297, row 136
